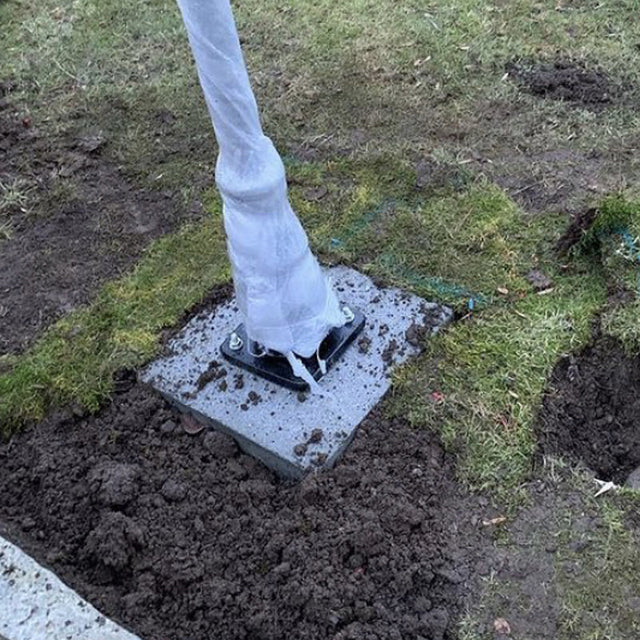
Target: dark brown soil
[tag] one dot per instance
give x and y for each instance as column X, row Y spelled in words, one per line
column 576, row 230
column 565, row 80
column 82, row 223
column 180, row 536
column 591, row 411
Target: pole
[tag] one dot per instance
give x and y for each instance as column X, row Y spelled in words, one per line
column 287, row 302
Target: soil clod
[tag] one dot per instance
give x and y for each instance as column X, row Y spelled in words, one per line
column 389, row 351
column 114, row 484
column 173, row 491
column 364, row 344
column 300, row 450
column 538, row 280
column 565, row 80
column 215, row 371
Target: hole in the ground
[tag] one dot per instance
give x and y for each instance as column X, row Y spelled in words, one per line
column 591, row 411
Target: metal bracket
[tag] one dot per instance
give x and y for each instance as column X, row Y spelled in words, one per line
column 237, row 350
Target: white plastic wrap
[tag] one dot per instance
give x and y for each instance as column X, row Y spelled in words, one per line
column 287, row 303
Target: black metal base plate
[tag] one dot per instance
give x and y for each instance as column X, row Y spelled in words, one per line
column 277, row 368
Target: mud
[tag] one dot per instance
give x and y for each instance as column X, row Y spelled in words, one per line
column 182, row 536
column 565, row 80
column 79, row 222
column 591, row 411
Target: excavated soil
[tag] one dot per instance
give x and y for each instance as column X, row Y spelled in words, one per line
column 182, row 536
column 591, row 411
column 565, row 80
column 76, row 223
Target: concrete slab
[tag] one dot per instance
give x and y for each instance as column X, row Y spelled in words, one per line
column 290, row 432
column 36, row 605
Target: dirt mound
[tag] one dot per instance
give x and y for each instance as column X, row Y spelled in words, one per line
column 112, row 545
column 183, row 536
column 591, row 411
column 564, row 80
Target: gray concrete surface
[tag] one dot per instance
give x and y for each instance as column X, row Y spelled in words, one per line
column 633, row 481
column 36, row 605
column 291, row 433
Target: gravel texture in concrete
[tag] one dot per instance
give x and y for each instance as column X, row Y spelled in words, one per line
column 36, row 605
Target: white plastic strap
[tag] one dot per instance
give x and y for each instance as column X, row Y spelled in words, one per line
column 321, row 363
column 302, row 372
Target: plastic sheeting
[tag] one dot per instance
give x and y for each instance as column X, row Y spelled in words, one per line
column 286, row 300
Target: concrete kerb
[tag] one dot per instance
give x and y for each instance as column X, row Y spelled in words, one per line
column 36, row 605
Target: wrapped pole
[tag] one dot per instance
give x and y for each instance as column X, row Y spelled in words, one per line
column 287, row 303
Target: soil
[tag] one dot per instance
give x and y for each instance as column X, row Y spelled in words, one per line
column 82, row 223
column 591, row 411
column 565, row 80
column 183, row 536
column 578, row 226
column 538, row 280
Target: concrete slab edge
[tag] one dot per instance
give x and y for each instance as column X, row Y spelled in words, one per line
column 36, row 605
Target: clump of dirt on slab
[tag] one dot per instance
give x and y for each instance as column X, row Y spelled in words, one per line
column 566, row 80
column 183, row 536
column 591, row 410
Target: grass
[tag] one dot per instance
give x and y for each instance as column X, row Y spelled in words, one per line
column 14, row 199
column 613, row 240
column 13, row 195
column 598, row 606
column 580, row 558
column 367, row 89
column 74, row 361
column 410, row 78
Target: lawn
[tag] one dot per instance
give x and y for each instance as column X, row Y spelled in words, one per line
column 444, row 147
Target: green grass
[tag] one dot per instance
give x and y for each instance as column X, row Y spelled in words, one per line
column 413, row 77
column 613, row 240
column 370, row 87
column 597, row 607
column 74, row 361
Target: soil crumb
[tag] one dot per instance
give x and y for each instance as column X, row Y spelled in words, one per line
column 538, row 280
column 565, row 80
column 364, row 344
column 591, row 411
column 214, row 371
column 179, row 536
column 389, row 352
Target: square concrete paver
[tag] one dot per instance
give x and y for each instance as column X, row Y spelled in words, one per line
column 290, row 432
